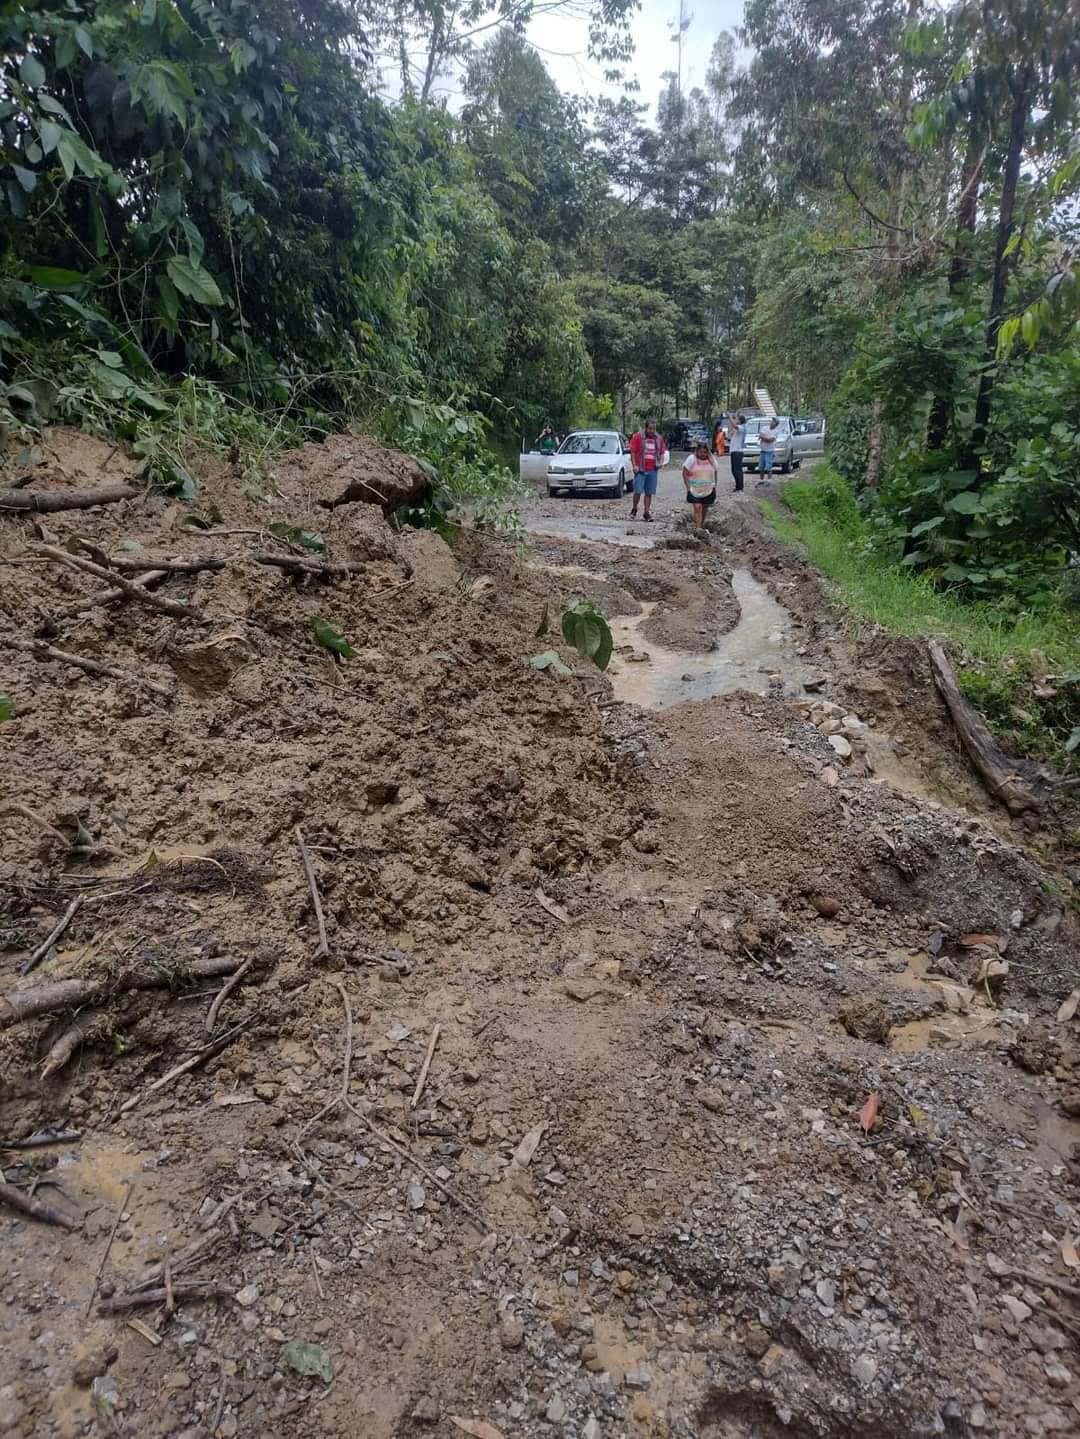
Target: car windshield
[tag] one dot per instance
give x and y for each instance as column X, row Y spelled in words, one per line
column 754, row 427
column 590, row 443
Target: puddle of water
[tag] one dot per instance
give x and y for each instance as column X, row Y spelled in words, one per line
column 596, row 531
column 747, row 657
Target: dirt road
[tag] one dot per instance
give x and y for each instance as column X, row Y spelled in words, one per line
column 748, row 1115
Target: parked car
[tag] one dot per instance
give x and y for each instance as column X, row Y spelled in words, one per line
column 591, row 460
column 809, row 437
column 784, row 457
column 684, row 434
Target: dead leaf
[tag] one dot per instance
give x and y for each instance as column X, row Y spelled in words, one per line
column 527, row 1148
column 476, row 1427
column 973, row 941
column 1069, row 1008
column 555, row 910
column 868, row 1114
column 917, row 1115
column 1069, row 1256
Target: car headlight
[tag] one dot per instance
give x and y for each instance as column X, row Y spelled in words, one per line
column 556, row 470
column 605, row 469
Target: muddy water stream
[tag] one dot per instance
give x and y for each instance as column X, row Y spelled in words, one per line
column 756, row 655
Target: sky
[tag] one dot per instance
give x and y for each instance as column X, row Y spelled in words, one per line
column 562, row 41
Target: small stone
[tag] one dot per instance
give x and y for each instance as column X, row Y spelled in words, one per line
column 864, row 1369
column 1057, row 1374
column 322, row 1327
column 713, row 1099
column 426, row 1411
column 470, row 1075
column 94, row 1362
column 825, row 1289
column 638, row 1378
column 570, row 1278
column 1016, row 1307
column 558, row 1217
column 625, row 1280
column 756, row 1340
column 511, row 1330
column 592, row 1428
column 641, row 1409
column 826, row 905
column 783, row 1280
column 841, row 745
column 177, row 1380
column 635, row 1226
column 11, row 1411
column 556, row 1410
column 830, row 775
column 247, row 1296
column 479, row 1131
column 978, row 1418
column 416, row 1196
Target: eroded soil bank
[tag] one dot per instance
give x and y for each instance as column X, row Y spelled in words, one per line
column 749, row 1112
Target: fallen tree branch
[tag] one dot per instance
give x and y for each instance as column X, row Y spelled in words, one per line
column 48, row 502
column 321, row 570
column 133, row 590
column 147, row 1298
column 90, row 1024
column 50, row 939
column 208, row 1051
column 20, row 1004
column 999, row 776
column 223, row 993
column 101, row 597
column 34, row 1207
column 167, row 567
column 313, row 885
column 42, row 651
column 198, row 1249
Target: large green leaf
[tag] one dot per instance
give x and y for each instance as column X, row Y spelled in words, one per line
column 968, row 502
column 32, row 72
column 585, row 628
column 53, row 277
column 549, row 660
column 193, row 281
column 7, row 708
column 331, row 638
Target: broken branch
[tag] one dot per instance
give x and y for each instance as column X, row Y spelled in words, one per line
column 432, row 1042
column 19, row 1004
column 208, row 1051
column 147, row 1298
column 34, row 1207
column 42, row 651
column 51, row 938
column 109, row 1245
column 131, row 588
column 223, row 993
column 313, row 885
column 999, row 776
column 48, row 502
column 100, row 597
column 296, row 566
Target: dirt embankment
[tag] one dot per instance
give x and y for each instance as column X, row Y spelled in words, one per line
column 748, row 1114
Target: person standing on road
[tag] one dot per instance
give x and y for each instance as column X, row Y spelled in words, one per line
column 699, row 477
column 648, row 456
column 767, row 442
column 736, row 446
column 719, row 435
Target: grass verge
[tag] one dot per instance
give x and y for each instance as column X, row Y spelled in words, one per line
column 1020, row 667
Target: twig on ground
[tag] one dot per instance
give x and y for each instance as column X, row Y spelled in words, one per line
column 48, row 502
column 108, row 1245
column 219, row 1407
column 132, row 589
column 42, row 651
column 14, row 807
column 20, row 1004
column 42, row 1141
column 320, row 569
column 200, row 1057
column 223, row 993
column 309, row 869
column 198, row 1249
column 34, row 1207
column 145, row 1330
column 100, row 597
column 1049, row 1281
column 165, row 567
column 170, row 1301
column 432, row 1042
column 315, row 1271
column 383, row 1138
column 47, row 943
column 147, row 1298
column 82, row 1029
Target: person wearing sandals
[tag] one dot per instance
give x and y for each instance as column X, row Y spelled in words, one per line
column 699, row 477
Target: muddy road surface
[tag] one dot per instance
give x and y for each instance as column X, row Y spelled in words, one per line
column 691, row 1053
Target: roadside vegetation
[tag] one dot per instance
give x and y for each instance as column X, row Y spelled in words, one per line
column 1020, row 667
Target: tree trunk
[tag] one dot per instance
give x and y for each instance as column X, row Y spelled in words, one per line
column 966, row 216
column 1020, row 86
column 873, row 449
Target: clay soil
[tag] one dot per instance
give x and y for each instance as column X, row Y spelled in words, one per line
column 750, row 1115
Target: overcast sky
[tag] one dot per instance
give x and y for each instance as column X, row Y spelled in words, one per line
column 563, row 43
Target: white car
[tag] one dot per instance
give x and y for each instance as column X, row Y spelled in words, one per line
column 591, row 460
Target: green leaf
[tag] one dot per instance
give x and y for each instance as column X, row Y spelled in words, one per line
column 85, row 40
column 7, row 708
column 32, row 72
column 52, row 277
column 310, row 1359
column 1073, row 742
column 584, row 627
column 54, row 107
column 968, row 502
column 49, row 135
column 26, row 178
column 67, row 50
column 294, row 535
column 170, row 303
column 927, row 526
column 193, row 281
column 549, row 660
column 331, row 638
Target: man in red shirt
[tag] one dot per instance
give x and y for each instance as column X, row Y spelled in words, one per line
column 647, row 458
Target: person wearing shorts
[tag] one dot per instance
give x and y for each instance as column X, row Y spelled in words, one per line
column 699, row 477
column 647, row 455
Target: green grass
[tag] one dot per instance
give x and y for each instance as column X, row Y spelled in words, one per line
column 1004, row 653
